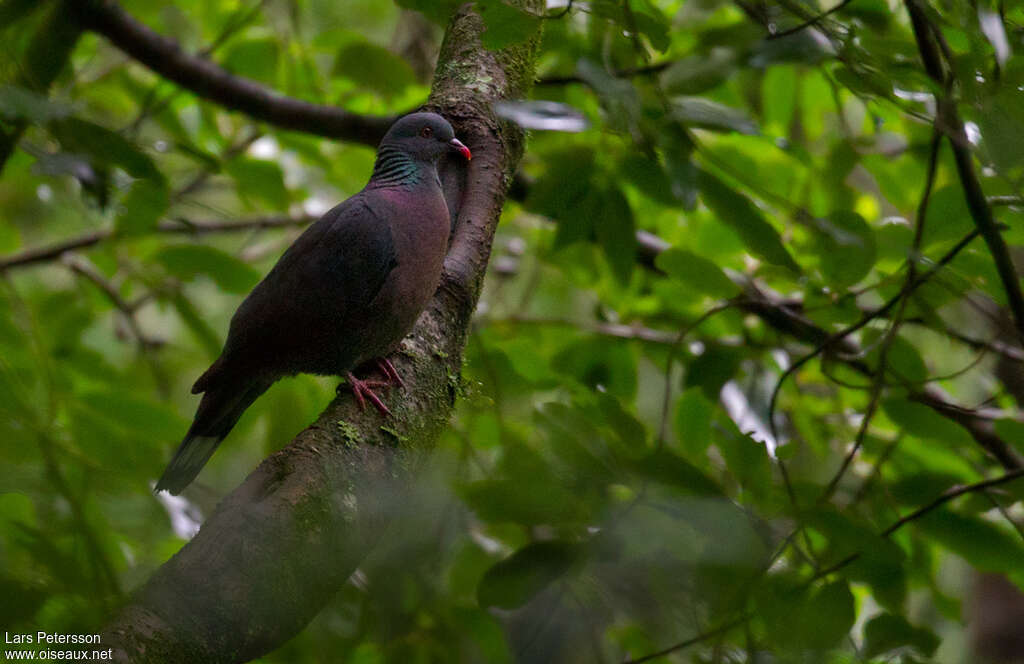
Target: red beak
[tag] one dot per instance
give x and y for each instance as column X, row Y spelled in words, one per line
column 457, row 144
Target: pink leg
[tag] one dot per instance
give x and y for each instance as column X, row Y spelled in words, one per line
column 363, row 390
column 389, row 371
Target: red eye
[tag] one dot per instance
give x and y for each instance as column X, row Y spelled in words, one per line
column 426, row 132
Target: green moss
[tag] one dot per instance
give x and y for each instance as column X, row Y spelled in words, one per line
column 350, row 435
column 399, row 438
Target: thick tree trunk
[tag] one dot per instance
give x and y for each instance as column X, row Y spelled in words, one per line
column 279, row 546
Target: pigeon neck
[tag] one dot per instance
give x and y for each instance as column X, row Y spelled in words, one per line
column 397, row 168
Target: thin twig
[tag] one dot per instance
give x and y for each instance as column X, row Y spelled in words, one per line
column 864, row 320
column 809, row 22
column 179, row 226
column 878, row 382
column 703, row 636
column 931, row 46
column 945, row 497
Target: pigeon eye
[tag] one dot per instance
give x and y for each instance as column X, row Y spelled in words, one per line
column 426, row 132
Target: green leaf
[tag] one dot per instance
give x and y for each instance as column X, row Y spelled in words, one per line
column 682, row 172
column 205, row 334
column 736, row 210
column 922, row 421
column 437, row 10
column 189, row 260
column 846, row 248
column 619, row 97
column 133, row 412
column 616, row 232
column 707, row 114
column 696, row 272
column 886, row 632
column 374, row 67
column 828, row 615
column 254, row 58
column 1012, row 431
column 674, row 471
column 104, row 146
column 514, row 581
column 980, row 542
column 506, row 25
column 712, row 369
column 1002, row 128
column 693, row 422
column 699, row 73
column 20, row 104
column 259, row 179
column 529, row 500
column 142, row 207
column 947, row 218
column 13, row 10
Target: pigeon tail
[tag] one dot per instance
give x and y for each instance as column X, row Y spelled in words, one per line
column 218, row 412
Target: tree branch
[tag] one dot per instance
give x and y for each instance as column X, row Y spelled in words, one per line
column 931, row 47
column 279, row 546
column 175, row 227
column 207, row 80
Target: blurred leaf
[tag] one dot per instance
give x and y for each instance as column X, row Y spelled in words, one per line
column 619, row 98
column 13, row 10
column 807, row 47
column 1002, row 128
column 437, row 10
column 374, row 67
column 981, row 543
column 514, row 581
column 254, row 58
column 104, row 146
column 205, row 334
column 947, row 218
column 693, row 422
column 259, row 179
column 600, row 364
column 699, row 73
column 142, row 207
column 707, row 114
column 616, row 232
column 886, row 632
column 742, row 215
column 189, row 260
column 712, row 369
column 20, row 104
column 506, row 25
column 846, row 247
column 671, row 470
column 697, row 272
column 919, row 420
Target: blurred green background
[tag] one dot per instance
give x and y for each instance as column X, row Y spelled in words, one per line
column 610, row 485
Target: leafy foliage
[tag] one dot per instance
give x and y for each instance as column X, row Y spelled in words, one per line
column 642, row 456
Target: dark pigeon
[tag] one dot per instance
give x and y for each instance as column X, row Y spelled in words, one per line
column 344, row 294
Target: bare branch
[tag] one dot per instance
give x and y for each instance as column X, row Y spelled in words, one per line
column 204, row 78
column 178, row 226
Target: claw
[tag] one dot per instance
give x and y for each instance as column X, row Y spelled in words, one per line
column 389, row 371
column 363, row 390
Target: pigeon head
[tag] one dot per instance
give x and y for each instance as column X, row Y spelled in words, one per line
column 424, row 136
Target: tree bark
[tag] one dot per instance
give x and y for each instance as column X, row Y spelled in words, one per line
column 278, row 547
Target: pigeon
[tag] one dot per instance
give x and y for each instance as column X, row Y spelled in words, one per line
column 343, row 295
